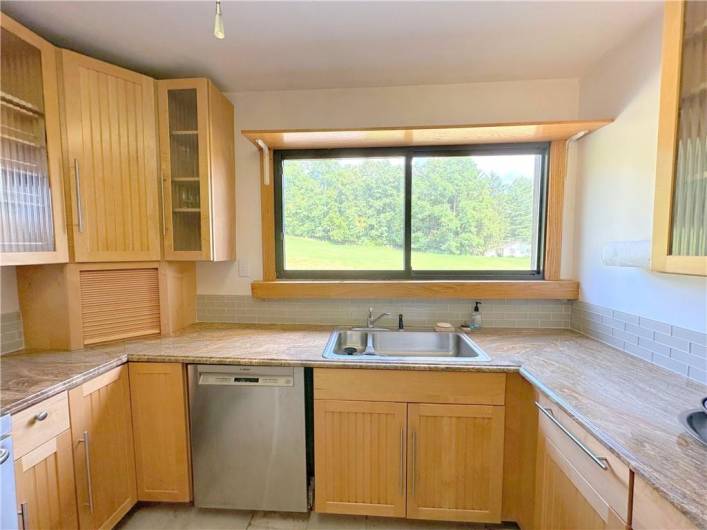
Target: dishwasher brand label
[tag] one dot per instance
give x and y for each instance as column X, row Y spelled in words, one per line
column 244, row 380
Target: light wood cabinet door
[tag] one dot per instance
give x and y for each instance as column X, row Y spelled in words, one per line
column 564, row 499
column 44, row 479
column 196, row 128
column 360, row 457
column 32, row 226
column 159, row 409
column 104, row 459
column 111, row 159
column 455, row 462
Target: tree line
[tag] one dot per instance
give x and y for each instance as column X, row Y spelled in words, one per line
column 456, row 207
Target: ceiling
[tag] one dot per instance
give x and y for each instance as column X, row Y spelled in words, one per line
column 337, row 44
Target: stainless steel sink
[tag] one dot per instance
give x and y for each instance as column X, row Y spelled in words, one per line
column 423, row 346
column 695, row 422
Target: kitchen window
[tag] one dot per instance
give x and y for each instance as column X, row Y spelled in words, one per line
column 459, row 212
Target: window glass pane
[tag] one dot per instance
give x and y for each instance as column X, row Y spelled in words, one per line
column 475, row 212
column 343, row 214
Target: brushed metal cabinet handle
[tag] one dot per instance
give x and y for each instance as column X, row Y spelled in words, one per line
column 23, row 515
column 87, row 459
column 402, row 461
column 77, row 181
column 41, row 416
column 414, row 462
column 598, row 460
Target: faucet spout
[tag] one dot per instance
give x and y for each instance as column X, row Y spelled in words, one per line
column 370, row 321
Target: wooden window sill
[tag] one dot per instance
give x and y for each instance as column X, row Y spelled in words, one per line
column 481, row 289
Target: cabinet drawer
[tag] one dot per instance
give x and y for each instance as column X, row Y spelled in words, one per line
column 612, row 483
column 30, row 431
column 410, row 386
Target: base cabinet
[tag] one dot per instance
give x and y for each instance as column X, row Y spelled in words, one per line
column 455, row 462
column 45, row 486
column 409, row 456
column 104, row 459
column 160, row 428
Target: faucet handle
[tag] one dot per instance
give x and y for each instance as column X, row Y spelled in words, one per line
column 370, row 312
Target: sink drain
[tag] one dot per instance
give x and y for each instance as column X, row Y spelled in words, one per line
column 350, row 350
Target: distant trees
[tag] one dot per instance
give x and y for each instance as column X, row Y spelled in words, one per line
column 456, row 208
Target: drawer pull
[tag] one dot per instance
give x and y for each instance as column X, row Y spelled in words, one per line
column 4, row 455
column 41, row 416
column 598, row 460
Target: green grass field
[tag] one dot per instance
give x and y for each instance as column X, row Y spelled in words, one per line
column 310, row 254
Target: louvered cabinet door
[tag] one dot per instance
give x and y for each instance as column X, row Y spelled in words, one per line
column 104, row 458
column 360, row 457
column 564, row 499
column 455, row 462
column 112, row 161
column 45, row 486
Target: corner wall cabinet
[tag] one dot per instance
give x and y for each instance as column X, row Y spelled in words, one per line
column 32, row 228
column 426, row 446
column 104, row 459
column 198, row 170
column 680, row 211
column 111, row 158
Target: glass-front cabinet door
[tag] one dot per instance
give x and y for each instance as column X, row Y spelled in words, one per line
column 680, row 216
column 197, row 161
column 185, row 184
column 32, row 227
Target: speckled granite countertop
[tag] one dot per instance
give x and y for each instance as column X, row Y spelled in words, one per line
column 629, row 405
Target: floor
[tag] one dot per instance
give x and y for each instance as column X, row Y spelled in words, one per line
column 180, row 517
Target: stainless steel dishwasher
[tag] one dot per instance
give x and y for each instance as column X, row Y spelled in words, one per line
column 248, row 437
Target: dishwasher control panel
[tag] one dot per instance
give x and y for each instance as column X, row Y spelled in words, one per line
column 216, row 378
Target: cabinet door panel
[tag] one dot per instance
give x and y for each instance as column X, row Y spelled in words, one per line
column 455, row 462
column 564, row 498
column 45, row 485
column 360, row 454
column 158, row 399
column 101, row 409
column 111, row 139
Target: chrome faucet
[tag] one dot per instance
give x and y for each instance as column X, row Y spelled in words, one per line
column 370, row 321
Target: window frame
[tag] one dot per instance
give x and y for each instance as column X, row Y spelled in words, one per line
column 407, row 273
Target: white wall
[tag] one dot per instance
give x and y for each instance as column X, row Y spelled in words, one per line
column 368, row 107
column 615, row 177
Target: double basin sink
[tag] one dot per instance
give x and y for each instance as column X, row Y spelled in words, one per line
column 375, row 344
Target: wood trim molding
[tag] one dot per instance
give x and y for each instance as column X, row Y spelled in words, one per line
column 267, row 216
column 482, row 289
column 486, row 133
column 557, row 172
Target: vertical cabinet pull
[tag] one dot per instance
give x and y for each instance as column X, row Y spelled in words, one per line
column 414, row 459
column 23, row 515
column 402, row 461
column 87, row 459
column 77, row 181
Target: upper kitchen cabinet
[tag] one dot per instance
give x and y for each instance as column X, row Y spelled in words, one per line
column 111, row 157
column 198, row 170
column 32, row 228
column 680, row 214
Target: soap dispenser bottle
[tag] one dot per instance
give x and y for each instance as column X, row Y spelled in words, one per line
column 475, row 322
